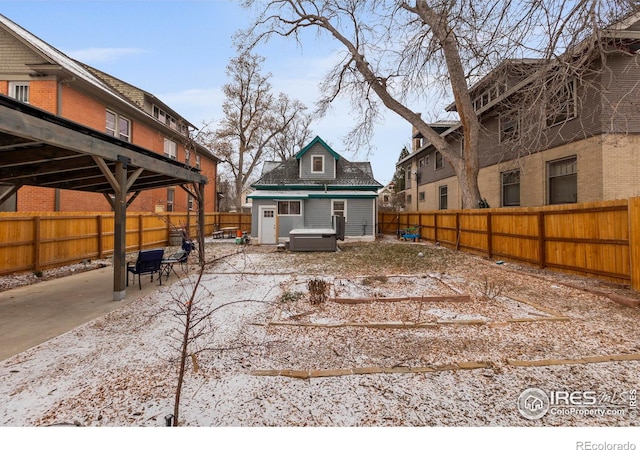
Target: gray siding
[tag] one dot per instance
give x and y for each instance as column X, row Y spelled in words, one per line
column 329, row 164
column 14, row 55
column 606, row 102
column 317, row 213
column 360, row 217
column 288, row 223
column 620, row 106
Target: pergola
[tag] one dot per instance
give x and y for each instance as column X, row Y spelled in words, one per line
column 40, row 149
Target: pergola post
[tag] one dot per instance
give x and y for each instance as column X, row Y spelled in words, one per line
column 200, row 187
column 120, row 231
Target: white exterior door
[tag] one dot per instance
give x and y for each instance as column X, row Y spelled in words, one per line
column 267, row 225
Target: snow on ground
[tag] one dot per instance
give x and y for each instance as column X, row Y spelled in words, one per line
column 120, row 370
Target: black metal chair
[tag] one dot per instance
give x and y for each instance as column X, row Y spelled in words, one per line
column 149, row 261
column 181, row 257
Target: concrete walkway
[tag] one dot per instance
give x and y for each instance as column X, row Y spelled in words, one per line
column 31, row 315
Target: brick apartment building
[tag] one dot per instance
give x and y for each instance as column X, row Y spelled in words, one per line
column 35, row 72
column 582, row 146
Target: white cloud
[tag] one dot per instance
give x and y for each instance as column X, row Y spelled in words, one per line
column 102, row 55
column 196, row 105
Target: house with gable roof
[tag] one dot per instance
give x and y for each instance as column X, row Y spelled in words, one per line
column 307, row 190
column 579, row 143
column 34, row 72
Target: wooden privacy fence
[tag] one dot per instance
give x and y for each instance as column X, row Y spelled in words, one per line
column 600, row 239
column 36, row 241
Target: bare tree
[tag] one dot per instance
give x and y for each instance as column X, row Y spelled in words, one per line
column 253, row 119
column 398, row 52
column 292, row 138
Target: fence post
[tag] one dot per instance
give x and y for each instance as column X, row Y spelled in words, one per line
column 140, row 233
column 435, row 227
column 100, row 244
column 36, row 244
column 457, row 230
column 541, row 241
column 633, row 213
column 489, row 236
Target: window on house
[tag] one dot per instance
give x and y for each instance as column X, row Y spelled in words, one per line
column 197, row 161
column 317, row 164
column 170, row 149
column 339, row 208
column 443, row 190
column 510, row 188
column 19, row 90
column 187, row 157
column 421, row 162
column 421, row 196
column 190, row 202
column 385, row 198
column 439, row 160
column 407, row 177
column 562, row 104
column 289, row 208
column 124, row 129
column 408, row 199
column 166, row 119
column 563, row 181
column 171, row 195
column 508, row 129
column 111, row 123
column 118, row 126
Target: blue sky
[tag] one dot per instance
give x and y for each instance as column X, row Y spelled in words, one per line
column 179, row 50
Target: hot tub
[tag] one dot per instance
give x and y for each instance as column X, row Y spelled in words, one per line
column 312, row 240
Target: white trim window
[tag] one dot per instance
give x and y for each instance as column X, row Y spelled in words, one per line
column 439, row 160
column 190, row 202
column 118, row 126
column 317, row 164
column 170, row 149
column 19, row 90
column 289, row 208
column 562, row 181
column 171, row 198
column 443, row 193
column 510, row 188
column 339, row 208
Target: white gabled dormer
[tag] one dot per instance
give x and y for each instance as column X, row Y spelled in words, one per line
column 317, row 161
